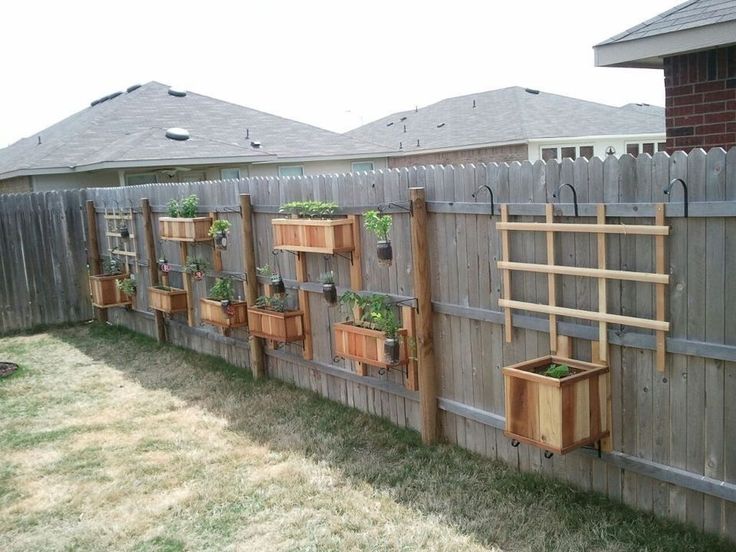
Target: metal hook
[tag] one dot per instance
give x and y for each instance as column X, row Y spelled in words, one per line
column 668, row 191
column 474, row 195
column 557, row 195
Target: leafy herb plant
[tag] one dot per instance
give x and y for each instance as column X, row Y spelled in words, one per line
column 309, row 209
column 126, row 285
column 276, row 303
column 185, row 208
column 377, row 312
column 377, row 223
column 222, row 290
column 219, row 226
column 557, row 371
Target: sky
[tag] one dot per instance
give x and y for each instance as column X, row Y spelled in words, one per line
column 336, row 65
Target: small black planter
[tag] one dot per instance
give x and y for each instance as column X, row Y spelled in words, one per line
column 221, row 240
column 329, row 292
column 124, row 232
column 277, row 285
column 385, row 253
column 391, row 351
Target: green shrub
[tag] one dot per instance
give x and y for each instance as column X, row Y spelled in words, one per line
column 377, row 223
column 309, row 209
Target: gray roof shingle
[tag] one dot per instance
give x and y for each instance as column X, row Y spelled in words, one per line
column 694, row 13
column 131, row 127
column 508, row 115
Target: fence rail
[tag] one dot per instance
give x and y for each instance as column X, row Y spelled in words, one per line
column 674, row 450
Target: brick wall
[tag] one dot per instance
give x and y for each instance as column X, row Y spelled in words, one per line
column 499, row 154
column 701, row 99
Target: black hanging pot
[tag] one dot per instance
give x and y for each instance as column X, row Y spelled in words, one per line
column 391, row 350
column 221, row 239
column 124, row 232
column 384, row 252
column 329, row 292
column 277, row 285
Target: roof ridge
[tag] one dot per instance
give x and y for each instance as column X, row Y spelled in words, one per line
column 648, row 22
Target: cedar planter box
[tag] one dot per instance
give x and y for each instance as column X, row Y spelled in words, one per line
column 185, row 229
column 366, row 345
column 326, row 236
column 105, row 292
column 211, row 312
column 276, row 326
column 558, row 415
column 167, row 300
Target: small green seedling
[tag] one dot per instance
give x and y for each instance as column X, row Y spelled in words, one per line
column 557, row 371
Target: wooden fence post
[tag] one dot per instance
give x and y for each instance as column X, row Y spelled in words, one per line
column 152, row 265
column 93, row 252
column 424, row 337
column 251, row 283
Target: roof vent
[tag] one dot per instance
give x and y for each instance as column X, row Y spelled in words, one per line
column 255, row 144
column 178, row 92
column 402, row 119
column 180, row 134
column 473, row 104
column 133, row 87
column 418, row 142
column 114, row 95
column 531, row 91
column 440, row 125
column 390, row 124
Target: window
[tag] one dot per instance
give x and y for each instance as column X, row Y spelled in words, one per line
column 291, row 170
column 587, row 152
column 230, row 174
column 632, row 149
column 568, row 152
column 138, row 179
column 648, row 148
column 661, row 146
column 362, row 166
column 549, row 153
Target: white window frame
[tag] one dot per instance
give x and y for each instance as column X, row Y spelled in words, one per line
column 559, row 149
column 291, row 167
column 153, row 174
column 223, row 177
column 353, row 169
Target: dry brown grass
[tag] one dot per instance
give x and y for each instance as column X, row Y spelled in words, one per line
column 112, row 442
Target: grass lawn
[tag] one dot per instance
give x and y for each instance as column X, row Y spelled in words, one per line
column 110, row 441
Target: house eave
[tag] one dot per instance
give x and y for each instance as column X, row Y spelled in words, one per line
column 649, row 52
column 564, row 139
column 407, row 152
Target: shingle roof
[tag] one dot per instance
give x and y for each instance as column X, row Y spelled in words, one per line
column 694, row 13
column 131, row 127
column 508, row 115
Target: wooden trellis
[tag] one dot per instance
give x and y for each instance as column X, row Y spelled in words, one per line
column 117, row 244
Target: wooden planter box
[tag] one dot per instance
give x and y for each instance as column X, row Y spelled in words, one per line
column 276, row 326
column 366, row 345
column 558, row 415
column 173, row 300
column 326, row 236
column 211, row 312
column 185, row 229
column 105, row 292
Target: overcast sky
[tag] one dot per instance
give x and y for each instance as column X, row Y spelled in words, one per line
column 332, row 64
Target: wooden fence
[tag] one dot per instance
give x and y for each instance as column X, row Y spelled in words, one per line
column 673, row 433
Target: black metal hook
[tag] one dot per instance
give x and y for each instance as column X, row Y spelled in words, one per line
column 474, row 195
column 409, row 209
column 557, row 195
column 668, row 191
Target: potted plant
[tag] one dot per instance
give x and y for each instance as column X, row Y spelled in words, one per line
column 220, row 308
column 312, row 227
column 124, row 231
column 196, row 267
column 556, row 403
column 271, row 318
column 183, row 224
column 104, row 288
column 219, row 231
column 167, row 299
column 127, row 285
column 380, row 225
column 275, row 281
column 374, row 336
column 329, row 291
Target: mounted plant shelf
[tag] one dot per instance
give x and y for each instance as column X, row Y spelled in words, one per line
column 327, row 236
column 369, row 346
column 284, row 326
column 167, row 299
column 185, row 229
column 224, row 314
column 556, row 414
column 106, row 293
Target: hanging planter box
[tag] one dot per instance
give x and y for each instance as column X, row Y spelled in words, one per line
column 367, row 346
column 185, row 229
column 558, row 415
column 276, row 326
column 328, row 236
column 105, row 292
column 167, row 300
column 232, row 315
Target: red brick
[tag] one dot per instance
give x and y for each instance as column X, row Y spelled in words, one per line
column 686, row 100
column 711, row 86
column 688, row 121
column 731, row 106
column 715, row 128
column 679, row 111
column 723, row 116
column 729, row 94
column 687, row 141
column 719, row 139
column 730, row 127
column 713, row 107
column 683, row 90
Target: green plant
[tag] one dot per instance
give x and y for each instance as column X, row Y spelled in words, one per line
column 111, row 265
column 185, row 208
column 309, row 209
column 327, row 277
column 377, row 223
column 557, row 371
column 126, row 285
column 222, row 290
column 276, row 303
column 218, row 226
column 195, row 264
column 377, row 312
column 266, row 271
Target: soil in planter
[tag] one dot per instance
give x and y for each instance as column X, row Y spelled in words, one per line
column 166, row 288
column 7, row 368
